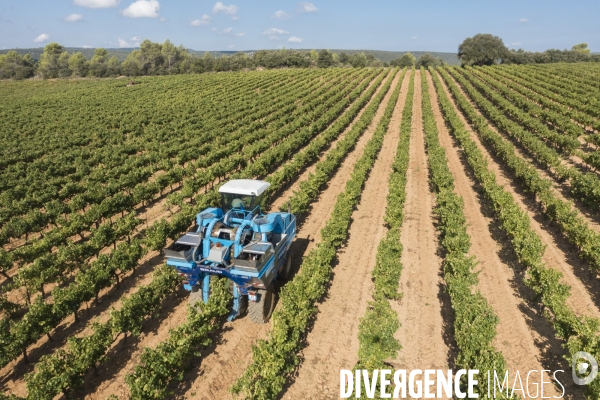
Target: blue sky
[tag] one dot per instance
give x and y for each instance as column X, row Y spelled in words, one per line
column 399, row 25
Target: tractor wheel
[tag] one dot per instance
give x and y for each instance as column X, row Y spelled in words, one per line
column 261, row 310
column 286, row 270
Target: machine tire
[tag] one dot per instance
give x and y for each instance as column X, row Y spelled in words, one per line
column 286, row 271
column 260, row 311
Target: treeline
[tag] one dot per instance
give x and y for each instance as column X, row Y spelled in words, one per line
column 577, row 54
column 426, row 60
column 486, row 49
column 166, row 59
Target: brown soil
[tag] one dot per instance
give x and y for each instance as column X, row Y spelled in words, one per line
column 522, row 347
column 524, row 337
column 556, row 256
column 333, row 340
column 558, row 251
column 424, row 308
column 233, row 349
column 172, row 313
column 562, row 189
column 287, row 193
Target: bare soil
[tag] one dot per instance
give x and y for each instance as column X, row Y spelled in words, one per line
column 424, row 309
column 333, row 340
column 522, row 347
column 125, row 354
column 211, row 375
column 556, row 256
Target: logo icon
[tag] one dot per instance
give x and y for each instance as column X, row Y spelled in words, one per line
column 585, row 368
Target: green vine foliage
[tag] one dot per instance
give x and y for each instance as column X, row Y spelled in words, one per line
column 275, row 358
column 379, row 324
column 474, row 319
column 580, row 333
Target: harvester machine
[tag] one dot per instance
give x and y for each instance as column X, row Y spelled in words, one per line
column 241, row 243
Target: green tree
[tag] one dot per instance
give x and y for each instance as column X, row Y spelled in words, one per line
column 427, row 60
column 113, row 67
column 63, row 65
column 407, row 60
column 336, row 58
column 99, row 63
column 482, row 49
column 370, row 59
column 15, row 66
column 78, row 64
column 51, row 66
column 172, row 56
column 344, row 58
column 151, row 58
column 358, row 60
column 581, row 48
column 207, row 62
column 325, row 59
column 131, row 65
column 314, row 56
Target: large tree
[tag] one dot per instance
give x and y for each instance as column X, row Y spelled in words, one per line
column 581, row 48
column 99, row 63
column 15, row 66
column 482, row 49
column 52, row 65
column 427, row 60
column 78, row 64
column 325, row 59
column 407, row 60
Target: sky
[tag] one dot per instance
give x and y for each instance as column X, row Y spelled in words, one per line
column 399, row 25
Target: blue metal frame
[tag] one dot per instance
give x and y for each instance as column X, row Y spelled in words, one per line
column 198, row 272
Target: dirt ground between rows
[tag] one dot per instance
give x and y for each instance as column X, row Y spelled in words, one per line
column 333, row 340
column 220, row 369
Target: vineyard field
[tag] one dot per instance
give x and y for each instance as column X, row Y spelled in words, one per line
column 448, row 218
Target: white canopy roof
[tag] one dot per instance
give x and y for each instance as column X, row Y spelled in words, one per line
column 248, row 187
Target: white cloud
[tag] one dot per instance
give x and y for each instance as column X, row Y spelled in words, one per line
column 142, row 9
column 308, row 7
column 42, row 38
column 231, row 46
column 73, row 18
column 87, row 46
column 275, row 31
column 295, row 39
column 96, row 3
column 274, row 37
column 235, row 18
column 413, row 38
column 229, row 31
column 281, row 15
column 135, row 42
column 204, row 20
column 516, row 43
column 523, row 20
column 220, row 7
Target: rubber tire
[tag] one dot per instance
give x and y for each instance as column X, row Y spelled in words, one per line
column 260, row 311
column 286, row 271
